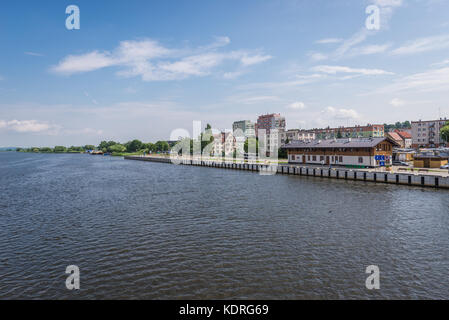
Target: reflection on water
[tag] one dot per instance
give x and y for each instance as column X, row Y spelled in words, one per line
column 140, row 230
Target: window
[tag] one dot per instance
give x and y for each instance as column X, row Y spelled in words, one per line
column 308, row 158
column 321, row 158
column 340, row 159
column 360, row 159
column 314, row 158
column 293, row 157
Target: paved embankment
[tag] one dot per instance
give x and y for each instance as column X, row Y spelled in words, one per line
column 336, row 173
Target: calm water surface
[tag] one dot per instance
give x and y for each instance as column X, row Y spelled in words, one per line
column 140, row 230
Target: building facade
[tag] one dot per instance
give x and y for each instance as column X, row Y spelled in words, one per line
column 223, row 144
column 273, row 125
column 426, row 134
column 296, row 134
column 354, row 152
column 406, row 137
column 247, row 127
column 243, row 130
column 368, row 131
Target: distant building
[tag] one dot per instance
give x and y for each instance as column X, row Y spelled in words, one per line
column 274, row 126
column 224, row 143
column 368, row 131
column 247, row 127
column 426, row 134
column 406, row 136
column 396, row 137
column 356, row 152
column 242, row 130
column 431, row 159
column 296, row 134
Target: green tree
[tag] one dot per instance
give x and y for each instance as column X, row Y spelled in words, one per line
column 134, row 145
column 282, row 153
column 106, row 144
column 59, row 149
column 445, row 133
column 89, row 147
column 162, row 146
column 118, row 148
column 406, row 125
column 251, row 144
column 339, row 134
column 46, row 150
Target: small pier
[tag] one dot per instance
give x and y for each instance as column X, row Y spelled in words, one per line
column 411, row 179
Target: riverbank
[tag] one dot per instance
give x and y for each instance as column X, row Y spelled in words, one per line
column 411, row 179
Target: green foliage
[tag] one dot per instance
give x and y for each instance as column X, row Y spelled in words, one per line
column 161, row 146
column 397, row 125
column 106, row 144
column 445, row 133
column 282, row 153
column 251, row 144
column 89, row 147
column 46, row 150
column 133, row 146
column 117, row 148
column 59, row 149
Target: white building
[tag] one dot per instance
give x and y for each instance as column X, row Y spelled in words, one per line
column 296, row 134
column 427, row 133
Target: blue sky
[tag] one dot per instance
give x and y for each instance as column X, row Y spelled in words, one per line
column 141, row 69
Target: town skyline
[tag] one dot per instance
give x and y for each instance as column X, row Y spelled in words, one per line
column 316, row 63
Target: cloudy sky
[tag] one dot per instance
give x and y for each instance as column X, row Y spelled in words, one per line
column 141, row 69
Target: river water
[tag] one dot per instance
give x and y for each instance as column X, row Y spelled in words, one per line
column 141, row 230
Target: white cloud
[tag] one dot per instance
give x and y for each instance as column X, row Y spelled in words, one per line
column 348, row 47
column 423, row 45
column 296, row 105
column 84, row 131
column 428, row 81
column 388, row 3
column 153, row 62
column 329, row 40
column 258, row 99
column 370, row 49
column 28, row 126
column 341, row 114
column 29, row 53
column 440, row 64
column 248, row 60
column 316, row 56
column 341, row 69
column 396, row 102
column 84, row 63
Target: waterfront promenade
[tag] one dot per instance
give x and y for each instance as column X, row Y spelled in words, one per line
column 412, row 178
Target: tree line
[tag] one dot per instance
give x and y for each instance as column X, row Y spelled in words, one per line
column 112, row 147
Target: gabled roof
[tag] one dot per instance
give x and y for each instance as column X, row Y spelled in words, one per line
column 339, row 143
column 395, row 136
column 404, row 134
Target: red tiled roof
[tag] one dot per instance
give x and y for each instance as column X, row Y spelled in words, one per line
column 395, row 136
column 404, row 134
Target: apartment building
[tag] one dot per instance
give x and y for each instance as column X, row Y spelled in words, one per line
column 296, row 134
column 224, row 144
column 274, row 126
column 426, row 134
column 368, row 131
